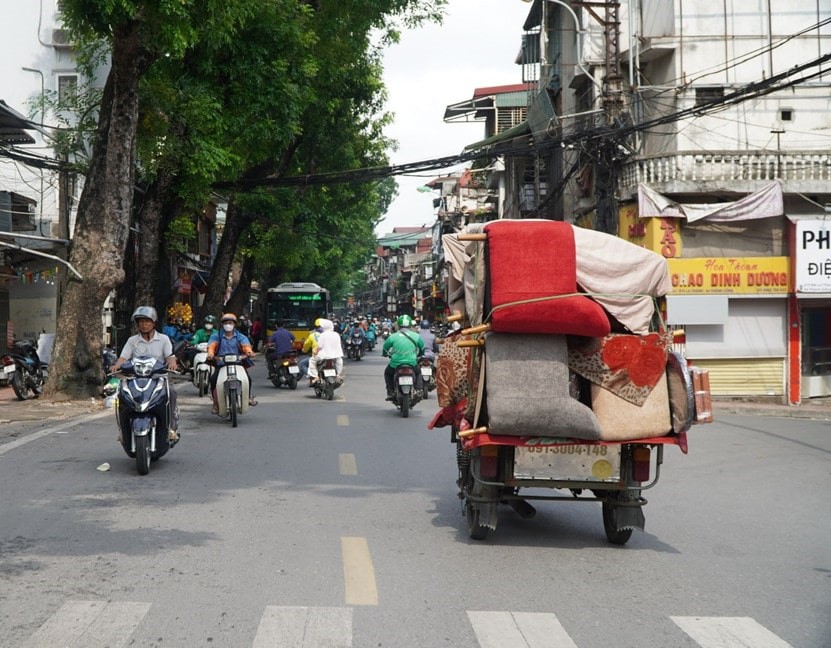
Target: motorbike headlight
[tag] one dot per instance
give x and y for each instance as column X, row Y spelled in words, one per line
column 143, row 366
column 230, row 358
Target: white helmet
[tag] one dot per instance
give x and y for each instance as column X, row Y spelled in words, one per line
column 147, row 312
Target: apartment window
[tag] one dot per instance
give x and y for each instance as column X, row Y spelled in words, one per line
column 706, row 94
column 786, row 114
column 67, row 87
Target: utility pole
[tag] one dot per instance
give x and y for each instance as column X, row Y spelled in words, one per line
column 612, row 97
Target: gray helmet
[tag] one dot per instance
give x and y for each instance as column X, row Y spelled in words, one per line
column 147, row 312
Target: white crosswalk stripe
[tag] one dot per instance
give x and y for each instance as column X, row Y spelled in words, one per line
column 519, row 630
column 102, row 624
column 305, row 627
column 728, row 632
column 89, row 624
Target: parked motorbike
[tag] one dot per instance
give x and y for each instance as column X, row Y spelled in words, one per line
column 283, row 369
column 406, row 389
column 24, row 370
column 202, row 370
column 180, row 350
column 232, row 387
column 428, row 376
column 142, row 411
column 355, row 346
column 328, row 380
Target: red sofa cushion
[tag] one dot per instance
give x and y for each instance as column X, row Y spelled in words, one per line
column 528, row 259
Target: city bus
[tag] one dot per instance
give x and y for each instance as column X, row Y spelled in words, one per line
column 298, row 305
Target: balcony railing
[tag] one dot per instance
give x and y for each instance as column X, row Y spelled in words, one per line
column 696, row 171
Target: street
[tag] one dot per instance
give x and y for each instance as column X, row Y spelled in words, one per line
column 319, row 523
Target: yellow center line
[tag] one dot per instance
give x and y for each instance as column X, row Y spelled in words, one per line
column 347, row 464
column 343, row 420
column 358, row 572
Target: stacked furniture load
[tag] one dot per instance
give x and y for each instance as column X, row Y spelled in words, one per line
column 562, row 344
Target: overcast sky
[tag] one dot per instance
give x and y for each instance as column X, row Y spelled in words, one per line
column 440, row 65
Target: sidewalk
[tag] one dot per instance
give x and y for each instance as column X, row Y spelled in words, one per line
column 37, row 409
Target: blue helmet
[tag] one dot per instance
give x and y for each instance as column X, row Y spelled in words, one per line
column 425, row 324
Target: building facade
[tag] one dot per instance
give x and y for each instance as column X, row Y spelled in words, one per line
column 703, row 132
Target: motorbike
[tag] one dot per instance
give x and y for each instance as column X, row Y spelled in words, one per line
column 328, row 380
column 142, row 411
column 202, row 370
column 370, row 339
column 428, row 376
column 355, row 346
column 180, row 350
column 232, row 387
column 406, row 393
column 24, row 369
column 283, row 369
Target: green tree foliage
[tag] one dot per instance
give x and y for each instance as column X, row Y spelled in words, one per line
column 202, row 91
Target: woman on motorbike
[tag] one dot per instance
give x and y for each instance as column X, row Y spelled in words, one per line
column 229, row 341
column 328, row 348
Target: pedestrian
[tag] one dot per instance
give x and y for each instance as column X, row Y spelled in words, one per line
column 256, row 333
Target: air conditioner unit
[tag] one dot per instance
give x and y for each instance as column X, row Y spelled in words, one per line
column 60, row 38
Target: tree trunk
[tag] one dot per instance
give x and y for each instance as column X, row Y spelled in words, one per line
column 101, row 230
column 239, row 298
column 153, row 280
column 236, row 221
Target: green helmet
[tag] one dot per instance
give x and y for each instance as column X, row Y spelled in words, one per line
column 210, row 319
column 404, row 321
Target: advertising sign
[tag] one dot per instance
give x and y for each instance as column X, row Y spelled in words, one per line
column 813, row 256
column 729, row 276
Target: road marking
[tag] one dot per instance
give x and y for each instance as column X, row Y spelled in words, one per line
column 347, row 464
column 92, row 624
column 304, row 627
column 519, row 630
column 728, row 632
column 358, row 572
column 7, row 447
column 343, row 420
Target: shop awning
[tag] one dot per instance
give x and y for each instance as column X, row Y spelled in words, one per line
column 521, row 129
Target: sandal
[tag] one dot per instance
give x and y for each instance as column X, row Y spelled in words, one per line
column 215, row 410
column 252, row 402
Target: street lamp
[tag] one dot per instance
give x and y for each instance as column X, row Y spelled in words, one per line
column 578, row 32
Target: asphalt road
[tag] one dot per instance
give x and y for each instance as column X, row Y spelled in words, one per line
column 320, row 523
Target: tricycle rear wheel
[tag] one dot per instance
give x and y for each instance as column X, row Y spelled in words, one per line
column 475, row 530
column 613, row 534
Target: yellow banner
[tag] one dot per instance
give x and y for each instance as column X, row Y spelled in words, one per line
column 730, row 276
column 661, row 235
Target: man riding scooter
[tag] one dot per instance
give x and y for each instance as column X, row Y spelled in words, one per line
column 280, row 344
column 403, row 348
column 229, row 341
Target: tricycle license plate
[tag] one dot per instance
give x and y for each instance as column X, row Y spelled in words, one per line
column 590, row 463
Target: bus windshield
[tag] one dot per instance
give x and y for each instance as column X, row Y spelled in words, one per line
column 297, row 305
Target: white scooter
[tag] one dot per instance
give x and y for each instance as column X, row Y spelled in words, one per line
column 232, row 387
column 202, row 371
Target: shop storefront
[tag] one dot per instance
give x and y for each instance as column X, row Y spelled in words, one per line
column 734, row 310
column 812, row 271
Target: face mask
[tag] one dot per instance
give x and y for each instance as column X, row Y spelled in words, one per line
column 208, row 327
column 228, row 327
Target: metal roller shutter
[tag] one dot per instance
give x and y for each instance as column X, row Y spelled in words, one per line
column 745, row 376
